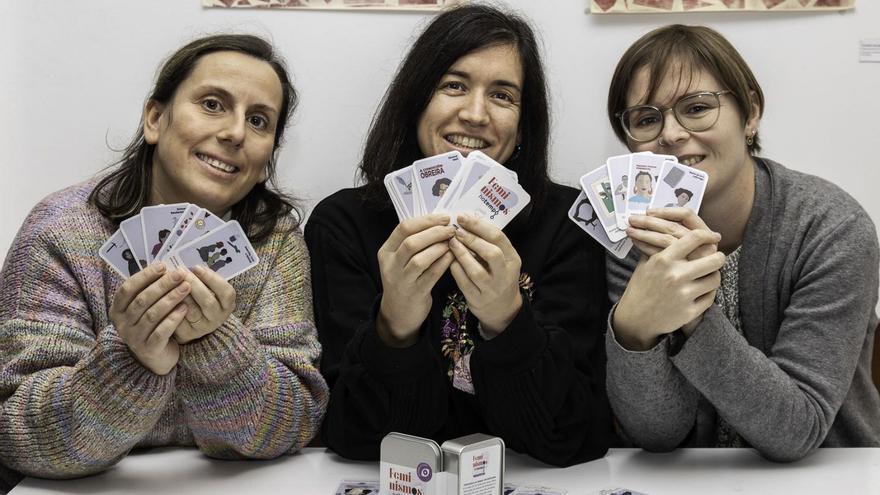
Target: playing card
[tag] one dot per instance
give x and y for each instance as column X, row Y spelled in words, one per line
column 496, row 196
column 618, row 168
column 598, row 189
column 643, row 173
column 203, row 222
column 157, row 222
column 680, row 185
column 399, row 184
column 118, row 255
column 134, row 236
column 355, row 487
column 585, row 217
column 538, row 490
column 225, row 250
column 432, row 177
column 621, row 491
column 186, row 218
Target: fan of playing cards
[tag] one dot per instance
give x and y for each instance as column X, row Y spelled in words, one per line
column 628, row 185
column 449, row 183
column 181, row 234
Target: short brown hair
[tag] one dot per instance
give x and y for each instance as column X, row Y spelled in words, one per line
column 692, row 48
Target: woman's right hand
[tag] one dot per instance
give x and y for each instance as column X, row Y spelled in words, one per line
column 668, row 290
column 146, row 311
column 411, row 261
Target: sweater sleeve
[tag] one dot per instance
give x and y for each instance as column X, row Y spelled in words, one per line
column 652, row 400
column 541, row 382
column 74, row 399
column 251, row 389
column 784, row 402
column 376, row 389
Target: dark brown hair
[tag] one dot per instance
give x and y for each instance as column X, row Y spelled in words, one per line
column 392, row 142
column 687, row 49
column 123, row 192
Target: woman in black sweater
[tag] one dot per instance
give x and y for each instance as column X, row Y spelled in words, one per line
column 440, row 333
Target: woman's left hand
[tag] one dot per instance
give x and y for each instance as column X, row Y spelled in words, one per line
column 211, row 301
column 660, row 227
column 489, row 280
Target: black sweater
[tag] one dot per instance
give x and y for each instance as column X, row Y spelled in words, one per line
column 539, row 385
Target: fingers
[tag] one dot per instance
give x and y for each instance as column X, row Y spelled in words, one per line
column 412, row 226
column 467, row 286
column 135, row 285
column 164, row 330
column 429, row 277
column 425, row 260
column 161, row 308
column 659, row 225
column 485, row 231
column 684, row 216
column 646, row 249
column 649, row 238
column 469, row 265
column 692, row 240
column 702, row 267
column 216, row 288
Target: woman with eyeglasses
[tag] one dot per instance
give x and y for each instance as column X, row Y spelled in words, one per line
column 751, row 324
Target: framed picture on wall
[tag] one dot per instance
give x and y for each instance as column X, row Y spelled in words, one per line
column 335, row 4
column 677, row 6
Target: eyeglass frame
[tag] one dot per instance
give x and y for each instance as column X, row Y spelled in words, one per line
column 662, row 111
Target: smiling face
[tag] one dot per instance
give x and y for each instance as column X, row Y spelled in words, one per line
column 476, row 106
column 720, row 151
column 215, row 137
column 643, row 184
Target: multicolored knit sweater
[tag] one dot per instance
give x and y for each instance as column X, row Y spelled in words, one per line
column 75, row 400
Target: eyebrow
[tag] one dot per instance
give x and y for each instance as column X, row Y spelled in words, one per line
column 497, row 82
column 210, row 88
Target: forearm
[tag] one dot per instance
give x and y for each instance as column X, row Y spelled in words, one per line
column 73, row 417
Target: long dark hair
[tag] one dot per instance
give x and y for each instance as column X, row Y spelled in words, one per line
column 126, row 190
column 689, row 49
column 392, row 142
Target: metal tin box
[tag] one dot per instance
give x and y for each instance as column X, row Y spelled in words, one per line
column 410, row 465
column 474, row 465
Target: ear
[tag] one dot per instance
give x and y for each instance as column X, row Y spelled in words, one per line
column 153, row 112
column 754, row 117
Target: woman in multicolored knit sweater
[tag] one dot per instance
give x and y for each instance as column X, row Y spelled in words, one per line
column 91, row 365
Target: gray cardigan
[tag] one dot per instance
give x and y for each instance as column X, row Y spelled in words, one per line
column 800, row 375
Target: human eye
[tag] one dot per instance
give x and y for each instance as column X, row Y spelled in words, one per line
column 452, row 86
column 259, row 122
column 504, row 96
column 212, row 105
column 645, row 118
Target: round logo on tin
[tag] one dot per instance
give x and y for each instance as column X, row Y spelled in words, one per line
column 424, row 472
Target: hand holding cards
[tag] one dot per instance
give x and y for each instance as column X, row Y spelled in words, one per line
column 476, row 185
column 630, row 185
column 182, row 235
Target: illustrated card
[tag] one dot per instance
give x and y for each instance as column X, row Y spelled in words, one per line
column 117, row 254
column 203, row 222
column 585, row 217
column 618, row 170
column 598, row 188
column 538, row 490
column 496, row 196
column 177, row 231
column 680, row 185
column 225, row 250
column 643, row 173
column 157, row 222
column 399, row 185
column 356, row 487
column 133, row 232
column 433, row 175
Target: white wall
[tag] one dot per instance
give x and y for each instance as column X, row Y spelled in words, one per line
column 73, row 76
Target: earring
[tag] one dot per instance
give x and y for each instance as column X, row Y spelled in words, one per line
column 516, row 151
column 661, row 143
column 750, row 139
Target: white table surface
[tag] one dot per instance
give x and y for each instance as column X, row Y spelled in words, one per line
column 318, row 471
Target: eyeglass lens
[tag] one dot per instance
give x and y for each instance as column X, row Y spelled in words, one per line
column 697, row 112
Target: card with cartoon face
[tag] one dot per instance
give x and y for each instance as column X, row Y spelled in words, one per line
column 399, row 185
column 680, row 185
column 225, row 250
column 133, row 232
column 585, row 217
column 432, row 177
column 356, row 487
column 157, row 222
column 118, row 255
column 598, row 188
column 643, row 173
column 177, row 231
column 496, row 197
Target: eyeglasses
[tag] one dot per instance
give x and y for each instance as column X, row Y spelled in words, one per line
column 695, row 112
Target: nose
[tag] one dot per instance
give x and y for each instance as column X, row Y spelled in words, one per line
column 672, row 131
column 233, row 130
column 474, row 110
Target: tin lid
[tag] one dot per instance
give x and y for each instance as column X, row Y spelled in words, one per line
column 410, row 450
column 470, row 442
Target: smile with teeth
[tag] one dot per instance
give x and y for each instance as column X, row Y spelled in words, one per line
column 691, row 160
column 466, row 142
column 215, row 163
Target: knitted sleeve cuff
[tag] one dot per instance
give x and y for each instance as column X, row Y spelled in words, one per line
column 222, row 354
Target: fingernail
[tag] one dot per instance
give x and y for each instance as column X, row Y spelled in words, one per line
column 183, row 288
column 176, row 276
column 160, row 267
column 454, row 242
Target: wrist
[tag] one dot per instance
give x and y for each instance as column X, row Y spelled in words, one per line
column 493, row 327
column 392, row 336
column 628, row 335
